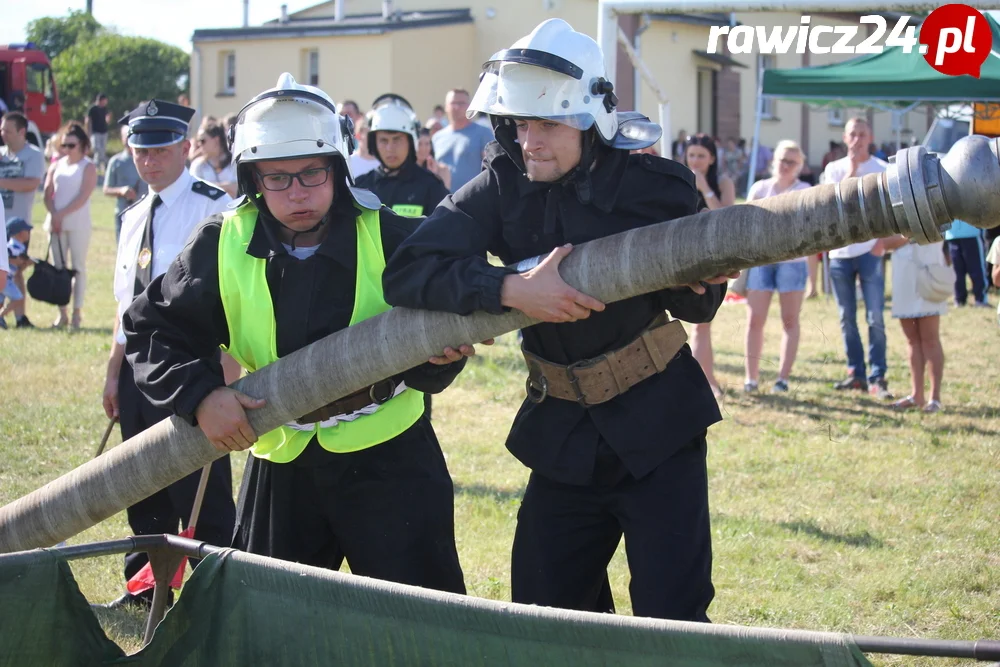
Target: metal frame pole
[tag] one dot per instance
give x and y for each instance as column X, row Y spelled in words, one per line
column 983, row 649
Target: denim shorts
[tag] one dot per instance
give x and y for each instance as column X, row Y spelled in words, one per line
column 11, row 291
column 781, row 278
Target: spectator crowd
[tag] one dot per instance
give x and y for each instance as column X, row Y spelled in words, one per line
column 451, row 147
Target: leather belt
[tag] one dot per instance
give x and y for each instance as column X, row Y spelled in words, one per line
column 378, row 393
column 597, row 380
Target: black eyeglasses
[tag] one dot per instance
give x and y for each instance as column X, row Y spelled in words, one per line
column 310, row 178
column 69, row 146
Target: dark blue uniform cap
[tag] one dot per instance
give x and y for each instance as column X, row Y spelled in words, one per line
column 157, row 123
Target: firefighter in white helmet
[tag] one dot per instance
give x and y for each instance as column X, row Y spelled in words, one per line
column 400, row 183
column 300, row 257
column 613, row 427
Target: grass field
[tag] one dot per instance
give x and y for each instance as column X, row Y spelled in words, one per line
column 830, row 511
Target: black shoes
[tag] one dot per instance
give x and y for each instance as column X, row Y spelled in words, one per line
column 852, row 382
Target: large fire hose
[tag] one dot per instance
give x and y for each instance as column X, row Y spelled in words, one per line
column 916, row 196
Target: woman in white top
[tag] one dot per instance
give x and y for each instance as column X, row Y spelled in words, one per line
column 68, row 186
column 215, row 163
column 702, row 157
column 919, row 317
column 787, row 278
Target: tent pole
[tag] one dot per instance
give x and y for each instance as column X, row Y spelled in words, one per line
column 664, row 112
column 752, row 169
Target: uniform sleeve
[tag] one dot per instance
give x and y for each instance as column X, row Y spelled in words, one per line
column 672, row 197
column 684, row 304
column 220, row 205
column 174, row 329
column 428, row 378
column 443, row 265
column 436, row 194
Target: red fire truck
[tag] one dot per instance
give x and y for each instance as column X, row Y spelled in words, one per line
column 27, row 85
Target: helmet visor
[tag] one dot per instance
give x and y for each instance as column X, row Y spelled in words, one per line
column 287, row 127
column 520, row 90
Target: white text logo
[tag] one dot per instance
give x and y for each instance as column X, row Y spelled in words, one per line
column 821, row 39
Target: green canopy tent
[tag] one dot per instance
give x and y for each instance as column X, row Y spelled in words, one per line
column 892, row 80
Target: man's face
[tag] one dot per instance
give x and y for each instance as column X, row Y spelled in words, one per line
column 393, row 148
column 550, row 149
column 351, row 111
column 103, row 102
column 456, row 105
column 298, row 207
column 857, row 136
column 159, row 167
column 12, row 137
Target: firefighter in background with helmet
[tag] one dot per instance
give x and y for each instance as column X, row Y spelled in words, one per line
column 299, row 258
column 614, row 425
column 400, row 183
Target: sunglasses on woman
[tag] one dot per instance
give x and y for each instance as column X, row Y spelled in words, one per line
column 69, row 147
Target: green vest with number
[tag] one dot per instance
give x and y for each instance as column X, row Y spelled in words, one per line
column 253, row 339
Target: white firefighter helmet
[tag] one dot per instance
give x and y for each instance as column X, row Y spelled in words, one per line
column 290, row 121
column 554, row 73
column 392, row 113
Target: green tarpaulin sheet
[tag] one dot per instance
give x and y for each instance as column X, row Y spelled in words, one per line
column 890, row 76
column 238, row 609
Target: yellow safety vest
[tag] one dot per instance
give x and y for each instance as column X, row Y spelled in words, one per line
column 253, row 340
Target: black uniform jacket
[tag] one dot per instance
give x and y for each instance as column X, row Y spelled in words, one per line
column 412, row 186
column 443, row 266
column 173, row 329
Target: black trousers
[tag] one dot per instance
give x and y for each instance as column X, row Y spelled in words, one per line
column 389, row 510
column 567, row 534
column 968, row 260
column 165, row 509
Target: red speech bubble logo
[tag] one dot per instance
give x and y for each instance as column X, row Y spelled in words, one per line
column 956, row 40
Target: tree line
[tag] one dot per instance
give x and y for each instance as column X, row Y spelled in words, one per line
column 89, row 58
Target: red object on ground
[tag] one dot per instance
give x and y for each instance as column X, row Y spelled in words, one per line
column 732, row 297
column 143, row 579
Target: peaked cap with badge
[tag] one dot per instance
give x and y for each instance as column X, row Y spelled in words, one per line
column 157, row 123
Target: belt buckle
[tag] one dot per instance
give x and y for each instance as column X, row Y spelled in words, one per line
column 574, row 380
column 542, row 390
column 377, row 400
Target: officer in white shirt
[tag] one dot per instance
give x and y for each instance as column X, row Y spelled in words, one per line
column 154, row 230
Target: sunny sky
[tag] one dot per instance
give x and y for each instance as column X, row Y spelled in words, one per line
column 172, row 21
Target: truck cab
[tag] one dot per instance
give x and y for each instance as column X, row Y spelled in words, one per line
column 27, row 85
column 983, row 119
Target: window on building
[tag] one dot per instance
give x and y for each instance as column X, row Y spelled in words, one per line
column 312, row 67
column 765, row 62
column 227, row 78
column 836, row 117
